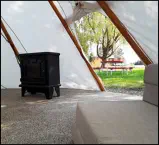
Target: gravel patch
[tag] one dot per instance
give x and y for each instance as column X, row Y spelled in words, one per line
column 130, row 91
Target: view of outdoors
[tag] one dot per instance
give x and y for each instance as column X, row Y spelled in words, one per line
column 79, row 72
column 110, row 55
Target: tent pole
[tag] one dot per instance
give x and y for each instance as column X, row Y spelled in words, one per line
column 133, row 43
column 99, row 82
column 9, row 39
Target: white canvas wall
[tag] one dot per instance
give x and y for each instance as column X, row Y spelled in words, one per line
column 141, row 19
column 39, row 29
column 37, row 26
column 10, row 71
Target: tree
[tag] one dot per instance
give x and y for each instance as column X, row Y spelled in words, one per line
column 139, row 62
column 118, row 53
column 91, row 57
column 83, row 39
column 97, row 28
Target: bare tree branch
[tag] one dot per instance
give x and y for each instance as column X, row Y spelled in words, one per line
column 98, row 51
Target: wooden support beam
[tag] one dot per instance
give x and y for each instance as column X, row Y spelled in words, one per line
column 9, row 39
column 99, row 82
column 130, row 39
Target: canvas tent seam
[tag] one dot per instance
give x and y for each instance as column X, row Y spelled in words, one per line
column 9, row 39
column 65, row 15
column 97, row 79
column 4, row 37
column 129, row 37
column 9, row 43
column 14, row 34
column 62, row 9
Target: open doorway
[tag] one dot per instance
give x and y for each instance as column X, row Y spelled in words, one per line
column 112, row 58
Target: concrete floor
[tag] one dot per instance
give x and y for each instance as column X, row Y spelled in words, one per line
column 35, row 120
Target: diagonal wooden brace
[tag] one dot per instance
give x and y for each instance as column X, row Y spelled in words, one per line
column 99, row 82
column 9, row 39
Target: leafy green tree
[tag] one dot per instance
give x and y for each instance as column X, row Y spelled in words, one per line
column 91, row 57
column 95, row 28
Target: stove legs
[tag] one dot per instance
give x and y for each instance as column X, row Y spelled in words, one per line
column 23, row 89
column 57, row 89
column 49, row 93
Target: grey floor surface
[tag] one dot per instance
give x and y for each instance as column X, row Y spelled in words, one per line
column 35, row 120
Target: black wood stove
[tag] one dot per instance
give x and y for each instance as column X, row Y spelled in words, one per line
column 40, row 72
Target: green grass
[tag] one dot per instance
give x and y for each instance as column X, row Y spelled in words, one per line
column 133, row 80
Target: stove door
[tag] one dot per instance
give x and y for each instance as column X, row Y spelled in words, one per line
column 33, row 70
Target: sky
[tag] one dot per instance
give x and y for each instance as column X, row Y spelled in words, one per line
column 129, row 54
